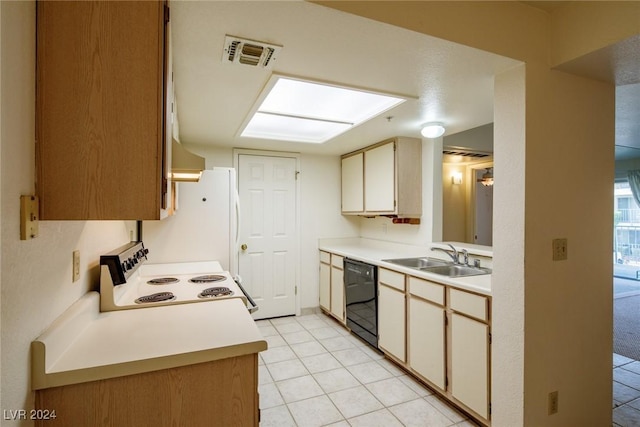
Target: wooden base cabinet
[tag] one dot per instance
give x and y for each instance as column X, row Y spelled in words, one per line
column 217, row 394
column 103, row 108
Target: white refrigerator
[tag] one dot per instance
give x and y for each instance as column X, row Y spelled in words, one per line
column 205, row 225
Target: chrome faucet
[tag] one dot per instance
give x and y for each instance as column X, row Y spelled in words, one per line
column 465, row 256
column 454, row 256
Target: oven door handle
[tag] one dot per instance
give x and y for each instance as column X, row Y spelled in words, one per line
column 254, row 307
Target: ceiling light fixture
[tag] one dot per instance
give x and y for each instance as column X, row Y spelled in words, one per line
column 487, row 178
column 293, row 109
column 432, row 130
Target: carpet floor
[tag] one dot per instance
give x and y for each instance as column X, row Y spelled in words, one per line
column 626, row 326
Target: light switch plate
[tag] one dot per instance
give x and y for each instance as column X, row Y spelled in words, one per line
column 560, row 249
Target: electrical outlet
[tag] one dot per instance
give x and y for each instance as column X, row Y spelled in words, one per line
column 76, row 266
column 560, row 249
column 553, row 402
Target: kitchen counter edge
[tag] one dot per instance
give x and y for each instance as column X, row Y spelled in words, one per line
column 66, row 352
column 374, row 252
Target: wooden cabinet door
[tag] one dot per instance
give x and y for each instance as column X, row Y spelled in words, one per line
column 469, row 363
column 337, row 292
column 379, row 179
column 100, row 125
column 392, row 321
column 325, row 286
column 353, row 184
column 427, row 340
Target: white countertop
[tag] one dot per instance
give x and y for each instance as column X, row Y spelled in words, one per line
column 86, row 345
column 375, row 251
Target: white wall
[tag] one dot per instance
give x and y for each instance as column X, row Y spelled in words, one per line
column 319, row 210
column 430, row 227
column 36, row 274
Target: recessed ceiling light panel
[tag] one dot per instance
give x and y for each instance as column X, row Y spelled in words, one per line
column 299, row 110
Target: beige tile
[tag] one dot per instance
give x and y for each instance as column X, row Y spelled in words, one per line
column 369, row 372
column 283, row 320
column 619, row 360
column 418, row 413
column 355, row 401
column 336, row 343
column 351, row 356
column 269, row 396
column 447, row 410
column 267, row 330
column 310, row 348
column 415, row 385
column 391, row 367
column 320, row 363
column 299, row 388
column 391, row 391
column 277, row 354
column 297, row 337
column 312, row 322
column 324, row 333
column 287, row 328
column 336, row 380
column 277, row 416
column 287, row 369
column 372, row 353
column 274, row 341
column 263, row 375
column 381, row 418
column 315, row 412
column 626, row 377
column 623, row 394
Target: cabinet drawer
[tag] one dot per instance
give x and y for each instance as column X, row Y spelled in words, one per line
column 470, row 304
column 325, row 257
column 428, row 290
column 391, row 278
column 337, row 261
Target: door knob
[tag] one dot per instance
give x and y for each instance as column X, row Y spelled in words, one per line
column 243, row 247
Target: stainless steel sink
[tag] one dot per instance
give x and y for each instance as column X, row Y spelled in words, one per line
column 438, row 266
column 418, row 263
column 453, row 270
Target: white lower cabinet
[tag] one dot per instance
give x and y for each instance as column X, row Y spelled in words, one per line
column 470, row 363
column 392, row 313
column 325, row 280
column 337, row 287
column 427, row 340
column 332, row 284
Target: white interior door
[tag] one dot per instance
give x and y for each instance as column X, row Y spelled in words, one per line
column 483, row 225
column 268, row 241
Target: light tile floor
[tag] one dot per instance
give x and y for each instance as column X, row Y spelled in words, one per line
column 315, row 373
column 626, row 391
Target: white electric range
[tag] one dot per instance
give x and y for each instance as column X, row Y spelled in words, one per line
column 128, row 282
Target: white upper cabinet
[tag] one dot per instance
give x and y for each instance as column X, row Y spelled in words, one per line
column 353, row 183
column 384, row 179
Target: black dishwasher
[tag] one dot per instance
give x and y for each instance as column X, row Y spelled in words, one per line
column 361, row 298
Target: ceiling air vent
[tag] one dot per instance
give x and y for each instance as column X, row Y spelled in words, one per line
column 249, row 52
column 466, row 153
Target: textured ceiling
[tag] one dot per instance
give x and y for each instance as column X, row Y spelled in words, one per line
column 452, row 83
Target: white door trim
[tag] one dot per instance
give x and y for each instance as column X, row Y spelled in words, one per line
column 265, row 153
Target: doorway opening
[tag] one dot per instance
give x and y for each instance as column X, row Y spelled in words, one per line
column 626, row 272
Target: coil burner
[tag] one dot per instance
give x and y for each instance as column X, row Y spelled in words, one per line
column 157, row 297
column 163, row 281
column 219, row 291
column 209, row 278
